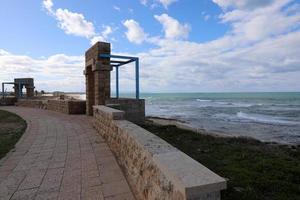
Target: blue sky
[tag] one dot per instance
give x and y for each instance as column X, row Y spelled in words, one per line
column 183, row 45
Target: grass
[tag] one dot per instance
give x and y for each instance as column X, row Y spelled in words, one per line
column 11, row 129
column 254, row 170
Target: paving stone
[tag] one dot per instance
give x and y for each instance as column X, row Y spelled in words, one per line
column 47, row 196
column 66, row 161
column 124, row 196
column 25, row 194
column 52, row 180
column 115, row 188
column 33, row 179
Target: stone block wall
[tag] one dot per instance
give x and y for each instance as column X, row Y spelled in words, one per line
column 134, row 108
column 32, row 103
column 154, row 168
column 8, row 101
column 67, row 106
column 64, row 106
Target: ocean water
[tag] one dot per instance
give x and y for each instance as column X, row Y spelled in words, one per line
column 271, row 117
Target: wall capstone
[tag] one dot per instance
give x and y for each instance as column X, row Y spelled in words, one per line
column 154, row 168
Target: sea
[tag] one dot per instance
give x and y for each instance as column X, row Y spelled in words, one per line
column 269, row 117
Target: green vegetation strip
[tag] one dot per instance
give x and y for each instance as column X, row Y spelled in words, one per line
column 11, row 129
column 254, row 170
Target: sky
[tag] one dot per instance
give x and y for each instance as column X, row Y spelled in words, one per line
column 183, row 45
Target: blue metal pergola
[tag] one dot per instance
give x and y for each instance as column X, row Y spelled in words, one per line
column 123, row 61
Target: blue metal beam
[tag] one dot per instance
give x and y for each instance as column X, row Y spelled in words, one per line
column 117, row 56
column 117, row 82
column 137, row 77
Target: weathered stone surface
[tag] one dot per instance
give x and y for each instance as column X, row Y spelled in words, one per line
column 8, row 101
column 97, row 73
column 134, row 108
column 60, row 157
column 64, row 106
column 154, row 168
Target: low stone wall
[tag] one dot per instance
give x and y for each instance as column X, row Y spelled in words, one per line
column 134, row 108
column 64, row 106
column 67, row 106
column 32, row 103
column 154, row 168
column 8, row 101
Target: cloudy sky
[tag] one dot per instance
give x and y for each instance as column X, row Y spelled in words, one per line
column 183, row 45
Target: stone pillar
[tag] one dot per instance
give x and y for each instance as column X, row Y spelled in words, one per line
column 16, row 89
column 90, row 91
column 29, row 91
column 97, row 72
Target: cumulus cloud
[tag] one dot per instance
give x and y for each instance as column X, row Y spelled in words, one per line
column 154, row 3
column 48, row 4
column 260, row 23
column 73, row 23
column 173, row 29
column 242, row 4
column 255, row 55
column 103, row 36
column 135, row 32
column 166, row 3
column 56, row 72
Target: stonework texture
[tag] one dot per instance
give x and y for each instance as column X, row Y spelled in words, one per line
column 63, row 106
column 134, row 108
column 97, row 73
column 155, row 169
column 8, row 101
column 60, row 157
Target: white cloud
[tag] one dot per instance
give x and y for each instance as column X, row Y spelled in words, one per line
column 96, row 39
column 107, row 31
column 48, row 4
column 144, row 2
column 263, row 21
column 135, row 32
column 166, row 3
column 73, row 23
column 117, row 8
column 242, row 4
column 172, row 28
column 103, row 36
column 262, row 57
column 259, row 53
column 155, row 3
column 57, row 72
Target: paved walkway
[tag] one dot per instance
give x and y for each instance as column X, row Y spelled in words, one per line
column 60, row 157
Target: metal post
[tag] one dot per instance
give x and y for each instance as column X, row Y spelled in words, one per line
column 137, row 86
column 3, row 90
column 117, row 81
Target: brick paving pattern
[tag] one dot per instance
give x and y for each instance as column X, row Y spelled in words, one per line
column 60, row 157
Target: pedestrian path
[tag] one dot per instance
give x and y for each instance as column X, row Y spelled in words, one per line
column 60, row 157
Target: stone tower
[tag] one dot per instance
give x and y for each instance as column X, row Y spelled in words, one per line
column 97, row 74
